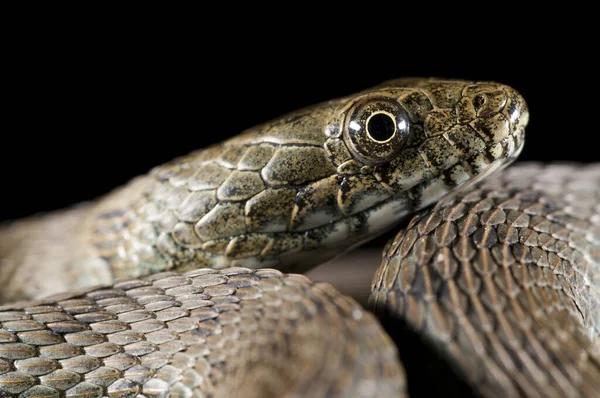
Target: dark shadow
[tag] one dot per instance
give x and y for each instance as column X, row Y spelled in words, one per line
column 427, row 372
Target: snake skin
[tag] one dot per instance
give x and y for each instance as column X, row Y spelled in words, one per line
column 505, row 281
column 227, row 333
column 288, row 194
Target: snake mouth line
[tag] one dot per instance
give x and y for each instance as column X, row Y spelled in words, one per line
column 473, row 168
column 474, row 174
column 493, row 166
column 415, row 197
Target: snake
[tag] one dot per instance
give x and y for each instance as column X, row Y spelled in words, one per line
column 188, row 281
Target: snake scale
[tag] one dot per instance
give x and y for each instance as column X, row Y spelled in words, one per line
column 186, row 281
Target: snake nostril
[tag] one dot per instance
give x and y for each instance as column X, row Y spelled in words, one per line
column 478, row 101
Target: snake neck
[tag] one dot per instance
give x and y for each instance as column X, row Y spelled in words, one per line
column 48, row 254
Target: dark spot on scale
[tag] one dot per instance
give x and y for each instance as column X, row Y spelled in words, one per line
column 300, row 201
column 345, row 186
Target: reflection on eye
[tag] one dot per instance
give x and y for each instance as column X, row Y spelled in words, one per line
column 354, row 126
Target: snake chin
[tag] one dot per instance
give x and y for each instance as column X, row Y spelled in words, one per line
column 492, row 168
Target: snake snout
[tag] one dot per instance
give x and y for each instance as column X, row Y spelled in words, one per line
column 498, row 114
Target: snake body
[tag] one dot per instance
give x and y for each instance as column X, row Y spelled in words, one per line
column 236, row 332
column 505, row 280
column 202, row 315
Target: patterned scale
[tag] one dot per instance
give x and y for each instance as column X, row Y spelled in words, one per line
column 505, row 281
column 181, row 335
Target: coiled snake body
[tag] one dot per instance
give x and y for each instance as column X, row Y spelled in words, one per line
column 501, row 277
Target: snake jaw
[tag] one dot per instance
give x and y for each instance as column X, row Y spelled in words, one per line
column 460, row 133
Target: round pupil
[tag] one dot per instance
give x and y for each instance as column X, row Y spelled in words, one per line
column 381, row 127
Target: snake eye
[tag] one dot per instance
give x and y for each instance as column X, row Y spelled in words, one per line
column 375, row 130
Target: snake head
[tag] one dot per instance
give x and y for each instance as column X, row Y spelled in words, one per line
column 406, row 143
column 441, row 134
column 312, row 184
